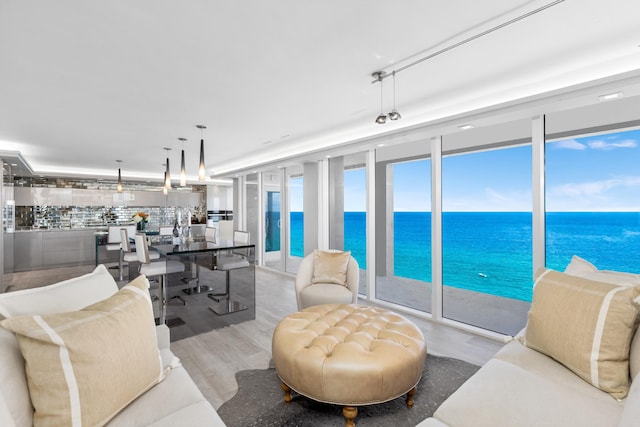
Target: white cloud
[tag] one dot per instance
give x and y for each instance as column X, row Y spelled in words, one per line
column 594, row 188
column 594, row 195
column 569, row 144
column 604, row 145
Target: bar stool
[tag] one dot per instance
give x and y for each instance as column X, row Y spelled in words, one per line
column 128, row 255
column 114, row 242
column 210, row 236
column 160, row 269
column 226, row 263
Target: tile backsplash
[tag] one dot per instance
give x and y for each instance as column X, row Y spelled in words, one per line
column 74, row 217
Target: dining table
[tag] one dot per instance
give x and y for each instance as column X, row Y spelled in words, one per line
column 194, row 249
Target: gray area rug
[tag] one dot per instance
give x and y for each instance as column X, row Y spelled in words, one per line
column 259, row 402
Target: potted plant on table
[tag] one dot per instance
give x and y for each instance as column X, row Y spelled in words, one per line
column 141, row 219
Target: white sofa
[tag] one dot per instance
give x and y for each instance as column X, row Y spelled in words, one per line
column 174, row 401
column 522, row 387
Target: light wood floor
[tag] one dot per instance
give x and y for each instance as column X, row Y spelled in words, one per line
column 213, row 358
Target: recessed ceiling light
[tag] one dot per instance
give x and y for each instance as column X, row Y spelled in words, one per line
column 380, row 145
column 610, row 96
column 465, row 127
column 328, row 156
column 13, row 164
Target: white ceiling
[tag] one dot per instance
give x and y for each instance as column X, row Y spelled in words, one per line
column 85, row 83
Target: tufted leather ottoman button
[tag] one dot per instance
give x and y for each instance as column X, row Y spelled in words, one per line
column 348, row 354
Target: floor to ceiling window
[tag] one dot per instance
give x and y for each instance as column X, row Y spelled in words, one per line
column 272, row 221
column 295, row 205
column 403, row 274
column 487, row 237
column 592, row 200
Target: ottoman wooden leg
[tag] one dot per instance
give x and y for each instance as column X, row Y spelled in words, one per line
column 410, row 395
column 287, row 392
column 350, row 413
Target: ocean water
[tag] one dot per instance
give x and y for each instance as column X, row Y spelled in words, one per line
column 491, row 252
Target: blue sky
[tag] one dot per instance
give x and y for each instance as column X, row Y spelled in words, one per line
column 594, row 173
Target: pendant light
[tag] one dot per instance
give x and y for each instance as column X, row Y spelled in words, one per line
column 167, row 177
column 201, row 168
column 378, row 75
column 165, row 191
column 183, row 171
column 394, row 115
column 119, row 186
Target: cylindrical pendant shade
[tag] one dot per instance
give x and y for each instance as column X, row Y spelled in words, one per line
column 201, row 169
column 167, row 178
column 119, row 186
column 183, row 172
column 165, row 191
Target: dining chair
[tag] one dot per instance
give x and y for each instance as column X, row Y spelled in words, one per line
column 128, row 255
column 114, row 242
column 237, row 259
column 210, row 237
column 210, row 234
column 158, row 268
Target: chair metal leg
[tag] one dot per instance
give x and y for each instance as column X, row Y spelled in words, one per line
column 229, row 306
column 163, row 301
column 220, row 297
column 195, row 276
column 121, row 264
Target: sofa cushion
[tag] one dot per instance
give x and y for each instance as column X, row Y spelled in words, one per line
column 323, row 293
column 69, row 295
column 585, row 325
column 85, row 366
column 631, row 412
column 176, row 401
column 583, row 268
column 330, row 267
column 502, row 394
column 634, row 355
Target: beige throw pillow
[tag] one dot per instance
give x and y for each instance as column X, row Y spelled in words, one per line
column 83, row 367
column 330, row 267
column 585, row 325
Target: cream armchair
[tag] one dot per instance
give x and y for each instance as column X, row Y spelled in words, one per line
column 319, row 277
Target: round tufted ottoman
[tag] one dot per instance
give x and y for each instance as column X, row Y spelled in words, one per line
column 348, row 355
